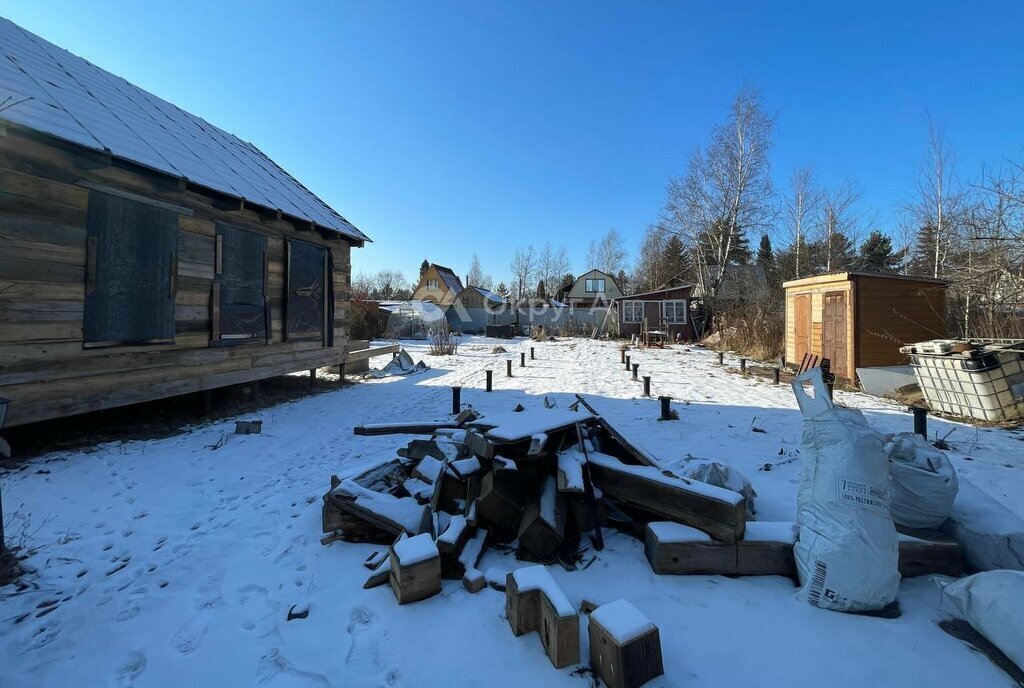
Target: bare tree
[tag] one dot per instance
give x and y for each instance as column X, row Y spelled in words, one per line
column 476, row 275
column 524, row 267
column 939, row 198
column 800, row 208
column 608, row 254
column 838, row 224
column 726, row 192
column 390, row 284
column 552, row 264
column 649, row 273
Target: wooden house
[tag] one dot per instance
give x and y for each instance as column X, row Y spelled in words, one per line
column 475, row 308
column 666, row 310
column 145, row 253
column 439, row 285
column 593, row 288
column 860, row 319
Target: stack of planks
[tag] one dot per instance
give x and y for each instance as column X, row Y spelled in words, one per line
column 537, row 479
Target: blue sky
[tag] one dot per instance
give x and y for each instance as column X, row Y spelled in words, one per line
column 447, row 128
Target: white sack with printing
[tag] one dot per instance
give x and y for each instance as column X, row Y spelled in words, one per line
column 847, row 554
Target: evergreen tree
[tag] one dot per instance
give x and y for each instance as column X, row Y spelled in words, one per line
column 841, row 252
column 713, row 242
column 424, row 266
column 502, row 290
column 766, row 259
column 567, row 282
column 541, row 292
column 876, row 254
column 922, row 255
column 675, row 262
column 623, row 279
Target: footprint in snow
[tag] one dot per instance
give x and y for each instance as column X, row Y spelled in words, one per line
column 131, row 667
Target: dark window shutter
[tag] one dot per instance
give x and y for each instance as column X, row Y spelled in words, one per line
column 304, row 306
column 241, row 256
column 133, row 263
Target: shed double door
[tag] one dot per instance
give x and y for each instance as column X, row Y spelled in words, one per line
column 833, row 332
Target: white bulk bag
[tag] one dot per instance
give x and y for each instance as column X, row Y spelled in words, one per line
column 847, row 554
column 924, row 482
column 993, row 603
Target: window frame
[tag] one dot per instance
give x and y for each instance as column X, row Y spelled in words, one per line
column 587, row 282
column 216, row 317
column 163, row 217
column 433, row 284
column 325, row 334
column 636, row 306
column 676, row 305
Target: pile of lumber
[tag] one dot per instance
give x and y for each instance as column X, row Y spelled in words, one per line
column 536, row 480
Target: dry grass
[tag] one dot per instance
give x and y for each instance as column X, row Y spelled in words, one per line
column 754, row 330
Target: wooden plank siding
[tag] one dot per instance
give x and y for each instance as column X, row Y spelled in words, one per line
column 44, row 368
column 884, row 312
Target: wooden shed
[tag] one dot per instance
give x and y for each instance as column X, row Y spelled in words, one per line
column 145, row 253
column 860, row 319
column 666, row 310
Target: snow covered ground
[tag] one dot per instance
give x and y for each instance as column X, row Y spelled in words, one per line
column 168, row 563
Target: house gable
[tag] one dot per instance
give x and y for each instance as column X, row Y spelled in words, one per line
column 438, row 285
column 594, row 285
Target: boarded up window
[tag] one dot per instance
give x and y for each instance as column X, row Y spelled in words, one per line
column 305, row 307
column 132, row 265
column 241, row 286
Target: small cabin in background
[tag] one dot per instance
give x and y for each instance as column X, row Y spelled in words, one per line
column 145, row 252
column 860, row 319
column 666, row 310
column 439, row 285
column 593, row 288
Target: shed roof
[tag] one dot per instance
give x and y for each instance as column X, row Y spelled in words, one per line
column 845, row 275
column 55, row 92
column 450, row 278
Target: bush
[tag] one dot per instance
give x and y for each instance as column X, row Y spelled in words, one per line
column 757, row 330
column 443, row 342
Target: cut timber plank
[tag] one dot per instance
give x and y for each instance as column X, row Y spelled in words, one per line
column 473, row 579
column 501, row 499
column 543, row 523
column 411, row 428
column 674, row 549
column 638, row 454
column 415, row 569
column 393, row 514
column 363, row 354
column 625, row 647
column 534, row 602
column 920, row 557
column 718, row 512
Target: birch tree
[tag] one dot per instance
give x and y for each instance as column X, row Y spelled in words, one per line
column 938, row 201
column 800, row 208
column 726, row 192
column 608, row 254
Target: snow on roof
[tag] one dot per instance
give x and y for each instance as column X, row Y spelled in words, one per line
column 488, row 294
column 55, row 92
column 622, row 620
column 449, row 277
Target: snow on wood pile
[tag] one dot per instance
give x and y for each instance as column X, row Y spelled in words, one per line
column 539, row 578
column 415, row 549
column 622, row 620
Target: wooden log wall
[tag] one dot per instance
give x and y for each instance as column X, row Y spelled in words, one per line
column 44, row 368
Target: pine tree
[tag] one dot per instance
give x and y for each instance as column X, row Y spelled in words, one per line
column 675, row 262
column 841, row 252
column 876, row 254
column 922, row 255
column 567, row 282
column 502, row 290
column 541, row 292
column 766, row 259
column 424, row 266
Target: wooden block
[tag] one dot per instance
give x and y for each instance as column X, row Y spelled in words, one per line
column 534, row 602
column 501, row 500
column 625, row 647
column 675, row 549
column 919, row 557
column 767, row 549
column 415, row 569
column 543, row 523
column 719, row 512
column 479, row 445
column 473, row 579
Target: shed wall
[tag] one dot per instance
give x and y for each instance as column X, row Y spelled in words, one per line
column 894, row 313
column 44, row 368
column 816, row 293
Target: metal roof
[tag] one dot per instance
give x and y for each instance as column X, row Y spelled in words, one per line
column 50, row 90
column 452, row 280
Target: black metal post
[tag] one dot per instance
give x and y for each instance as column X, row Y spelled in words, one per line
column 489, row 373
column 627, row 363
column 622, row 355
column 666, row 408
column 456, row 400
column 721, row 358
column 522, row 359
column 508, row 366
column 647, row 385
column 636, row 367
column 920, row 421
column 532, row 356
column 775, row 376
column 743, row 366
